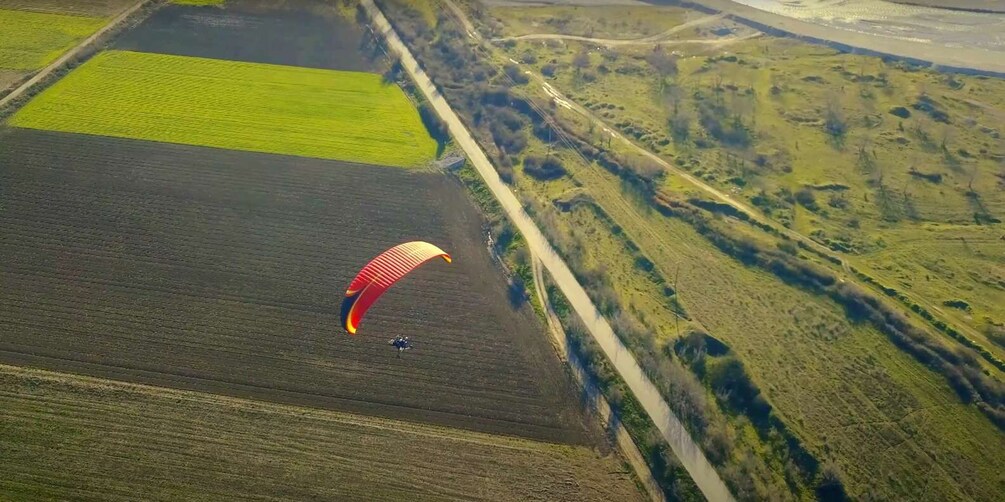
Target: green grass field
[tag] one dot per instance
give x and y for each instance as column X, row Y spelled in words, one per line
column 916, row 164
column 31, row 40
column 328, row 114
column 843, row 388
column 64, row 437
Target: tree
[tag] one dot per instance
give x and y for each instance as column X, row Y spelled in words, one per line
column 581, row 61
column 664, row 63
column 835, row 121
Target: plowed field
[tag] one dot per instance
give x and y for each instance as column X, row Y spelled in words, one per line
column 293, row 32
column 222, row 271
column 72, row 438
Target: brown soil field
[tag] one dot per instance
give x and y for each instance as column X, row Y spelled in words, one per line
column 8, row 79
column 222, row 271
column 295, row 33
column 77, row 7
column 77, row 438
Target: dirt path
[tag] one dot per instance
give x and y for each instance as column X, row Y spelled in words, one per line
column 683, row 446
column 463, row 19
column 610, row 42
column 72, row 53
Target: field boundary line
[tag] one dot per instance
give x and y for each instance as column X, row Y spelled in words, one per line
column 683, row 445
column 72, row 53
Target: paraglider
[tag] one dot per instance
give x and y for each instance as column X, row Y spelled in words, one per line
column 401, row 343
column 379, row 275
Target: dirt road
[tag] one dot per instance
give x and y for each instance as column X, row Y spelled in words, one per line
column 689, row 453
column 866, row 37
column 609, row 42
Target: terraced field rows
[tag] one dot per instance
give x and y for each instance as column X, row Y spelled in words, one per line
column 223, row 271
column 349, row 116
column 67, row 437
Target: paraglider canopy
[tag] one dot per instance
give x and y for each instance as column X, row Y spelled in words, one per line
column 380, row 274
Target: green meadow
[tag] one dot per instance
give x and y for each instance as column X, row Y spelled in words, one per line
column 31, row 40
column 339, row 115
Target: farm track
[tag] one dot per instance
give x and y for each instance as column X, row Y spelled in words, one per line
column 68, row 437
column 221, row 271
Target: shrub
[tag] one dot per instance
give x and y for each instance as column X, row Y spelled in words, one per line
column 807, row 199
column 831, row 485
column 548, row 168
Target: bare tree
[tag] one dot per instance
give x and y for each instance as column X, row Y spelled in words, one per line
column 664, row 63
column 581, row 61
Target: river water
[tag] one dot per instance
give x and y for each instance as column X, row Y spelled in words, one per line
column 953, row 29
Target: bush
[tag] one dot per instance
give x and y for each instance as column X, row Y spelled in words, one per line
column 544, row 169
column 513, row 72
column 900, row 111
column 807, row 199
column 549, row 70
column 436, row 127
column 831, row 485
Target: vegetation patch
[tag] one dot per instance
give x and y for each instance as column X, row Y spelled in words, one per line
column 327, row 114
column 199, row 2
column 31, row 40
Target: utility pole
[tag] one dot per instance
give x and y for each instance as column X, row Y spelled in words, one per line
column 676, row 293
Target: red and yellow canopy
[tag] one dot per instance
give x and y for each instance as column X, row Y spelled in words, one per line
column 380, row 274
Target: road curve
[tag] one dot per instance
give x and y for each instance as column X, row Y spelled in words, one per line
column 687, row 451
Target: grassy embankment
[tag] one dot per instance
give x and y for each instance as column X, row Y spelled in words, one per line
column 328, row 114
column 67, row 437
column 892, row 387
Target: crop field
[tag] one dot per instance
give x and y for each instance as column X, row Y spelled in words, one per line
column 31, row 40
column 350, row 116
column 223, row 271
column 65, row 437
column 294, row 33
column 97, row 8
column 879, row 154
